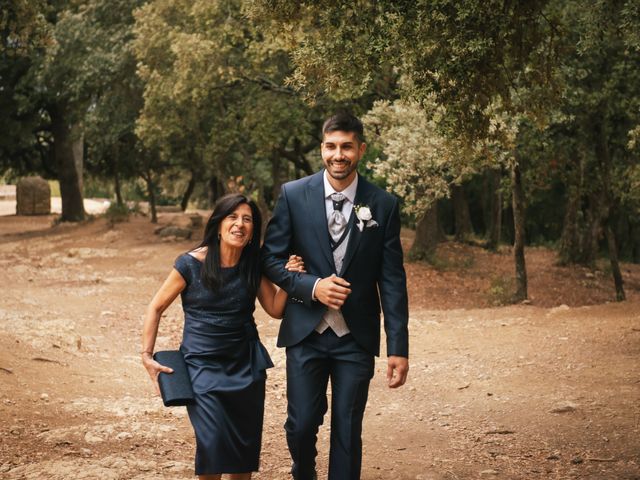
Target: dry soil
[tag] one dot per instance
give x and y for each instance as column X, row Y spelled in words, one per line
column 549, row 389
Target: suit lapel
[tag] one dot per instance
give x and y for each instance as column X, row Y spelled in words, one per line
column 318, row 216
column 362, row 198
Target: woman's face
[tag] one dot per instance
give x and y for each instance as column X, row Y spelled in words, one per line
column 236, row 229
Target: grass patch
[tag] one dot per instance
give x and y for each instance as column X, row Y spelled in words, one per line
column 415, row 255
column 444, row 263
column 501, row 291
column 54, row 185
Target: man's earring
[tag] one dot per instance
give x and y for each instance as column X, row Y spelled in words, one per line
column 219, row 236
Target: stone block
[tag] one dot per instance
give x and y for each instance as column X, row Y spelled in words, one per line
column 33, row 196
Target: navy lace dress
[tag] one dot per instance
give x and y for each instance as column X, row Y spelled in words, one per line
column 227, row 364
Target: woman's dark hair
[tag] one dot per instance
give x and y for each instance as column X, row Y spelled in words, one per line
column 250, row 257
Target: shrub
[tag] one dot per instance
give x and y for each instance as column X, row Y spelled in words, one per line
column 117, row 214
column 501, row 290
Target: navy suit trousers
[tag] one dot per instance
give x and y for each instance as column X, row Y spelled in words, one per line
column 310, row 365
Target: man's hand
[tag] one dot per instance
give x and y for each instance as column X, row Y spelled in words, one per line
column 332, row 291
column 295, row 264
column 397, row 370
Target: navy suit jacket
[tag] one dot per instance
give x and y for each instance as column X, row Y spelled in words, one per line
column 372, row 264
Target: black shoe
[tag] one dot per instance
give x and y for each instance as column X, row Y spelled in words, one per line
column 314, row 476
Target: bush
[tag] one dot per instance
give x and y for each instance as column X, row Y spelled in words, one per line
column 443, row 262
column 501, row 291
column 117, row 214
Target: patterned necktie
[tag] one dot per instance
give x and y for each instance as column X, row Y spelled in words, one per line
column 337, row 222
column 339, row 235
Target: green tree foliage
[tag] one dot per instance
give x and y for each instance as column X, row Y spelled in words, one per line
column 601, row 108
column 113, row 148
column 46, row 89
column 78, row 88
column 23, row 141
column 469, row 57
column 24, row 137
column 22, row 26
column 462, row 53
column 195, row 95
column 215, row 99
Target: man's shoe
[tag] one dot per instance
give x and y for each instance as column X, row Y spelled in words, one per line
column 313, row 477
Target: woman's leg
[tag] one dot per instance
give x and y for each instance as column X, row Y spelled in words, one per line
column 209, row 477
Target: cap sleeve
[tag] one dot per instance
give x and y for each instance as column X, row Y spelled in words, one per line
column 182, row 266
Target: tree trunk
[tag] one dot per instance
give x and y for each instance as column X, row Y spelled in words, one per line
column 216, row 190
column 442, row 235
column 582, row 225
column 485, row 199
column 570, row 245
column 116, row 177
column 635, row 241
column 151, row 192
column 462, row 218
column 615, row 265
column 582, row 230
column 118, row 189
column 592, row 234
column 518, row 224
column 603, row 156
column 188, row 192
column 276, row 175
column 77, row 146
column 495, row 218
column 427, row 235
column 264, row 209
column 70, row 182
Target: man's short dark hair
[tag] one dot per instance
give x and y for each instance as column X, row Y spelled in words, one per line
column 344, row 122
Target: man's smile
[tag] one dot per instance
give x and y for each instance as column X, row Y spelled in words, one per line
column 340, row 163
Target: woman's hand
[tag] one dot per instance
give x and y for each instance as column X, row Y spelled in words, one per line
column 154, row 369
column 169, row 290
column 295, row 264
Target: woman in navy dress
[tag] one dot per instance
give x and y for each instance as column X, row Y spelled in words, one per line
column 218, row 283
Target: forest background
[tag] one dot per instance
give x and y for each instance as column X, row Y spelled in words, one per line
column 493, row 121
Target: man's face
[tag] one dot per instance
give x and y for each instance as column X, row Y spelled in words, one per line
column 341, row 153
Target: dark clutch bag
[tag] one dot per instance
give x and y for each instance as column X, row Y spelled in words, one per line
column 175, row 387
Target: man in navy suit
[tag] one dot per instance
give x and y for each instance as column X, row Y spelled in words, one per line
column 348, row 233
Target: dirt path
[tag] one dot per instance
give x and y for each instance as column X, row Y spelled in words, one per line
column 536, row 391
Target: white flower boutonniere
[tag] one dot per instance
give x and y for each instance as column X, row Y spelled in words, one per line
column 365, row 219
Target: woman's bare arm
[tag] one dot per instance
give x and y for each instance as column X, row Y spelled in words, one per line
column 272, row 298
column 170, row 289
